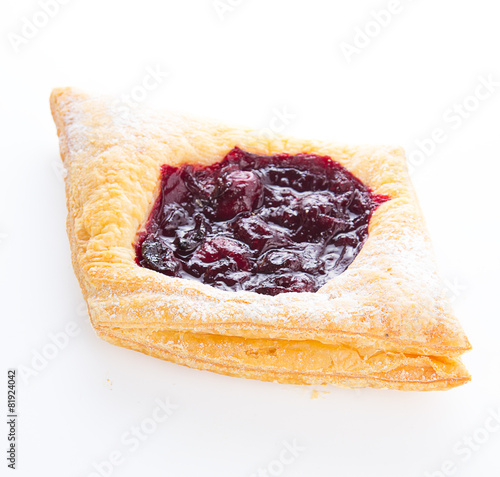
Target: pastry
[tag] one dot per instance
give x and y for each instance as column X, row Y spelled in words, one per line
column 278, row 259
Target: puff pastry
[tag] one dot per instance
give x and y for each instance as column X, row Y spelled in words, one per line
column 384, row 322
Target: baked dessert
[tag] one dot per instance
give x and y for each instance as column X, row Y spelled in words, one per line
column 277, row 259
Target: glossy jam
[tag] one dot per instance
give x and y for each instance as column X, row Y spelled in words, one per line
column 267, row 224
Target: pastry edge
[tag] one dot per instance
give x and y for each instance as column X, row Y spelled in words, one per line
column 340, row 378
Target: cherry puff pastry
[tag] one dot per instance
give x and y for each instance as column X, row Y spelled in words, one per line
column 384, row 322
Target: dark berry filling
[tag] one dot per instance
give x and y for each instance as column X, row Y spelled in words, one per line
column 268, row 224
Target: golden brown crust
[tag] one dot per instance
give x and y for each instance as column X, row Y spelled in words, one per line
column 293, row 362
column 390, row 299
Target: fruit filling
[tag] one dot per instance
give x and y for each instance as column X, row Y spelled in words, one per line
column 266, row 224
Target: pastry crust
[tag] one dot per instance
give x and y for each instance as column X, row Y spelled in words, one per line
column 384, row 322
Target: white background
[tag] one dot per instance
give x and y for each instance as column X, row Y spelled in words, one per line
column 240, row 64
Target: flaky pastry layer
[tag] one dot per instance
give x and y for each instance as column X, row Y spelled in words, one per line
column 293, row 362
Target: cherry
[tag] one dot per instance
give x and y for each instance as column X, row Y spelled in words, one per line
column 276, row 196
column 238, row 192
column 258, row 234
column 217, row 248
column 226, row 271
column 279, row 260
column 158, row 256
column 188, row 241
column 200, row 182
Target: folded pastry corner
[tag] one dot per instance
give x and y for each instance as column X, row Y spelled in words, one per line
column 278, row 259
